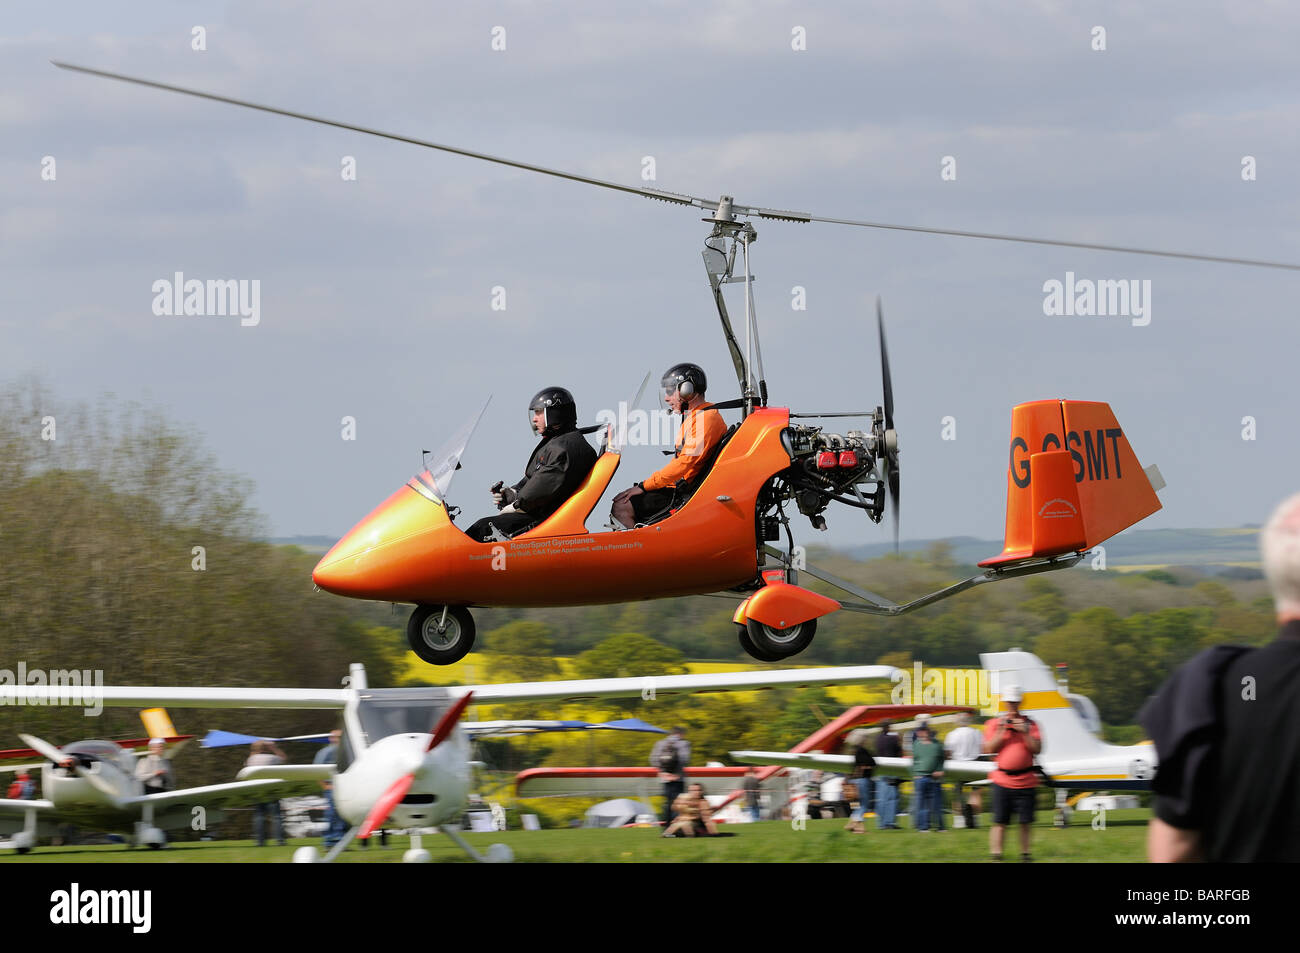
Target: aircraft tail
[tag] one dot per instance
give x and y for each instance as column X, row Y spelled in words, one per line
column 1066, row 735
column 158, row 723
column 1073, row 481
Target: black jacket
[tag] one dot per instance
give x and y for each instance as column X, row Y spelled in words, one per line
column 555, row 470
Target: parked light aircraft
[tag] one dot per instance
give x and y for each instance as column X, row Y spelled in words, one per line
column 404, row 759
column 92, row 784
column 1072, row 757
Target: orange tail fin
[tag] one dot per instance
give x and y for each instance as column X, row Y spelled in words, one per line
column 1073, row 480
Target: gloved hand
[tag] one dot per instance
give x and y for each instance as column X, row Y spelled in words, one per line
column 504, row 495
column 508, row 508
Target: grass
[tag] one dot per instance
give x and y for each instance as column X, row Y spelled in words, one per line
column 1122, row 841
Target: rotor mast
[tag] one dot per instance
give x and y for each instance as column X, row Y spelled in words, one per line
column 719, row 254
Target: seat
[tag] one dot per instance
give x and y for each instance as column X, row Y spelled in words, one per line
column 571, row 518
column 683, row 491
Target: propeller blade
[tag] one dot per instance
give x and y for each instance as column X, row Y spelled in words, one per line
column 725, row 209
column 44, row 748
column 448, row 721
column 893, row 500
column 98, row 783
column 884, row 367
column 384, row 806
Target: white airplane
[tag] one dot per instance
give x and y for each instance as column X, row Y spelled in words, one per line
column 92, row 784
column 404, row 760
column 1073, row 755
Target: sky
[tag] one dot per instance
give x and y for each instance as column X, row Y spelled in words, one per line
column 381, row 295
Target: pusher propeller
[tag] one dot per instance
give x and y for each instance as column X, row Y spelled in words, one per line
column 889, row 436
column 724, row 209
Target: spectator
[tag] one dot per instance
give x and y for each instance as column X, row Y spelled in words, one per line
column 335, row 826
column 751, row 786
column 964, row 743
column 693, row 816
column 669, row 757
column 1015, row 739
column 266, row 753
column 154, row 771
column 927, row 775
column 888, row 745
column 1225, row 727
column 23, row 787
column 863, row 766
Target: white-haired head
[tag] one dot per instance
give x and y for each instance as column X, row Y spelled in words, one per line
column 1280, row 545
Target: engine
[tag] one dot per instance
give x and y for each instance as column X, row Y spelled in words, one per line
column 825, row 468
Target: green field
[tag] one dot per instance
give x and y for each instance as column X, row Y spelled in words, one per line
column 1123, row 840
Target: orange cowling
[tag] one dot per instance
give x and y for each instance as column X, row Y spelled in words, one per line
column 781, row 605
column 1073, row 481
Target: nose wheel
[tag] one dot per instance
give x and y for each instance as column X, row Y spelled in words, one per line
column 440, row 635
column 767, row 644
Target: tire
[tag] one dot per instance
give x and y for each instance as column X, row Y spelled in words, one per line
column 444, row 648
column 747, row 644
column 781, row 643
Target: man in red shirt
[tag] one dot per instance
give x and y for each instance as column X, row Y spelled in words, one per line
column 1015, row 739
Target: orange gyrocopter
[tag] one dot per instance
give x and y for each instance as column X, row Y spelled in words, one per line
column 1073, row 481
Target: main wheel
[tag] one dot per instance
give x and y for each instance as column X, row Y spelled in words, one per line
column 445, row 645
column 748, row 645
column 781, row 643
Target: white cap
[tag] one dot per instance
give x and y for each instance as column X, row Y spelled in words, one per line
column 1012, row 693
column 156, row 741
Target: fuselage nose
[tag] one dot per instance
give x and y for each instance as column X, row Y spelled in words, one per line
column 387, row 554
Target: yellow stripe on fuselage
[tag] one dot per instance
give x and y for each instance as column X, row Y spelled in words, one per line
column 1036, row 701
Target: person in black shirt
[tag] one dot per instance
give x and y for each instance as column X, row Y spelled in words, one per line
column 1226, row 727
column 555, row 470
column 888, row 745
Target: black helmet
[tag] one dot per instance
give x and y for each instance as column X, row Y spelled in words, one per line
column 685, row 379
column 561, row 413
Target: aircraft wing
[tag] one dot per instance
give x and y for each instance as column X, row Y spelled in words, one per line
column 289, row 772
column 575, row 690
column 229, row 794
column 144, row 696
column 651, row 687
column 843, row 764
column 13, row 807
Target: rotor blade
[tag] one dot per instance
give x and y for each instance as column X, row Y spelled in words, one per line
column 558, row 173
column 1126, row 249
column 884, row 367
column 44, row 748
column 448, row 721
column 728, row 209
column 384, row 806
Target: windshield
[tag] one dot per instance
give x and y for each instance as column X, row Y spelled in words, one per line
column 411, row 712
column 435, row 482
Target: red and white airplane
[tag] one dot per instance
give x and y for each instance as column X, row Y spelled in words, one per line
column 404, row 759
column 1073, row 755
